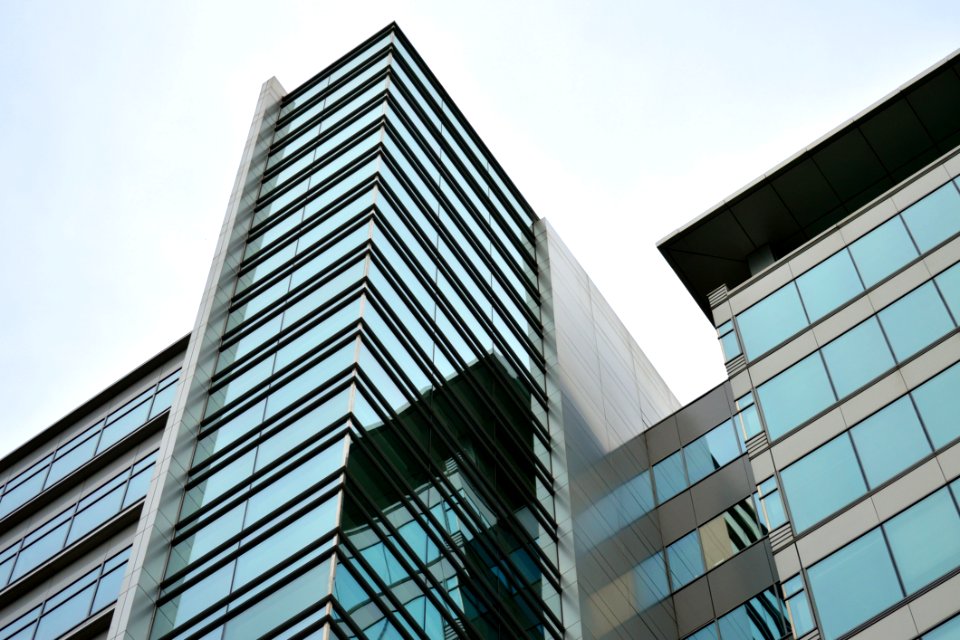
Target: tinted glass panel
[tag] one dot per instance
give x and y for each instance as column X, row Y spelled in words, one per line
column 685, row 560
column 760, row 618
column 950, row 630
column 650, row 581
column 822, row 482
column 935, row 218
column 767, row 323
column 730, row 533
column 939, row 405
column 669, row 477
column 883, row 251
column 858, row 356
column 795, row 395
column 828, row 285
column 863, row 568
column 711, row 451
column 925, row 540
column 915, row 320
column 890, row 441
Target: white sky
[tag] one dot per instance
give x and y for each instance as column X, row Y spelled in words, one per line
column 123, row 122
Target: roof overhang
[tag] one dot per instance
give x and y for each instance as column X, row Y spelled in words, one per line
column 822, row 184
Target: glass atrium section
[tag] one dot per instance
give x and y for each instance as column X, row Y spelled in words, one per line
column 373, row 457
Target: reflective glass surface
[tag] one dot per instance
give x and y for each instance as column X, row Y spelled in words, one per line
column 828, row 285
column 711, row 451
column 760, row 618
column 863, row 568
column 685, row 560
column 822, row 482
column 915, row 321
column 949, row 284
column 767, row 323
column 883, row 251
column 889, row 441
column 949, row 630
column 795, row 395
column 925, row 540
column 934, row 218
column 650, row 582
column 857, row 356
column 939, row 405
column 669, row 477
column 730, row 533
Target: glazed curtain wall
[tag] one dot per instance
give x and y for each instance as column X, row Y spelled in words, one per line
column 373, row 432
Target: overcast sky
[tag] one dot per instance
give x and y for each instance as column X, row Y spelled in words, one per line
column 123, row 123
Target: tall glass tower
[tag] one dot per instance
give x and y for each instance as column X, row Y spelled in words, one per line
column 361, row 445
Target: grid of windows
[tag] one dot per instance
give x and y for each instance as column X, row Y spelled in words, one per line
column 373, row 430
column 873, row 451
column 69, row 607
column 846, row 274
column 860, row 355
column 696, row 460
column 903, row 555
column 763, row 617
column 72, row 524
column 91, row 442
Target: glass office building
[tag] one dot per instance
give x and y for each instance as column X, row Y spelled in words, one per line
column 405, row 411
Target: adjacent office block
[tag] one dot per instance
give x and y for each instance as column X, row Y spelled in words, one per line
column 405, row 411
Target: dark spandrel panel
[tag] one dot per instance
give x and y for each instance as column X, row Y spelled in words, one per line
column 822, row 482
column 857, row 357
column 829, row 285
column 795, row 395
column 889, row 441
column 925, row 540
column 916, row 320
column 883, row 251
column 769, row 322
column 864, row 568
column 939, row 405
column 934, row 218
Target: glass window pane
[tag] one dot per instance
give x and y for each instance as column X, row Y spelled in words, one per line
column 96, row 514
column 795, row 395
column 800, row 614
column 108, row 589
column 767, row 323
column 711, row 451
column 669, row 477
column 760, row 618
column 822, row 482
column 882, row 251
column 935, row 218
column 949, row 630
column 863, row 568
column 650, row 581
column 55, row 623
column 949, row 284
column 925, row 540
column 730, row 533
column 730, row 346
column 939, row 405
column 915, row 321
column 685, row 560
column 707, row 633
column 828, row 285
column 889, row 441
column 71, row 460
column 856, row 357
